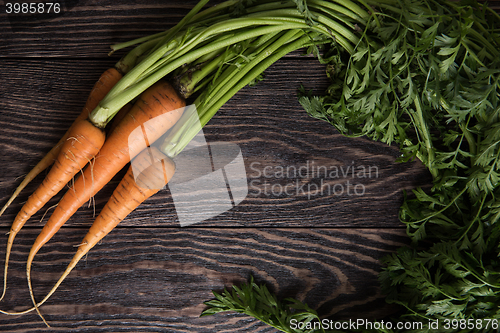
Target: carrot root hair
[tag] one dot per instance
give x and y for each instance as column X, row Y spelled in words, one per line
column 84, row 143
column 156, row 170
column 106, row 81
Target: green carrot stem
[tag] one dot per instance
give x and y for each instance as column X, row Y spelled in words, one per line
column 214, row 10
column 346, row 8
column 188, row 82
column 178, row 52
column 467, row 133
column 178, row 139
column 207, row 57
column 130, row 59
column 426, row 136
column 491, row 48
column 178, row 27
column 224, row 79
column 492, row 11
column 189, row 124
column 207, row 16
column 223, row 27
column 170, row 54
column 137, row 41
column 166, row 44
column 184, row 47
column 109, row 106
column 337, row 30
column 135, row 72
column 332, row 15
column 180, row 73
column 202, row 84
column 147, row 42
column 240, row 73
column 356, row 8
column 293, row 15
column 255, row 68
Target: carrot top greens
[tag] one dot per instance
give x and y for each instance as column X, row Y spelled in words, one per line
column 425, row 74
column 428, row 79
column 220, row 37
column 256, row 301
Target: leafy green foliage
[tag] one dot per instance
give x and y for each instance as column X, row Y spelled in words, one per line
column 428, row 79
column 425, row 76
column 256, row 301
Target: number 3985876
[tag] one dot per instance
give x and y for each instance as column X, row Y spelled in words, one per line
column 32, row 8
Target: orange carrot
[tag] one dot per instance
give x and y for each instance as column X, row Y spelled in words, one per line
column 75, row 149
column 107, row 80
column 75, row 153
column 157, row 170
column 120, row 147
column 159, row 100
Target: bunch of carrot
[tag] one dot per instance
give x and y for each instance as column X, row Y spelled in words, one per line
column 211, row 53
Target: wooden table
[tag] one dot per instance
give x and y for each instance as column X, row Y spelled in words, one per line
column 151, row 274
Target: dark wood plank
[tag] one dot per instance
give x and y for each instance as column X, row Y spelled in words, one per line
column 86, row 28
column 266, row 122
column 151, row 280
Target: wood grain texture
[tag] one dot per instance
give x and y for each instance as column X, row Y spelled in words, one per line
column 156, row 280
column 86, row 28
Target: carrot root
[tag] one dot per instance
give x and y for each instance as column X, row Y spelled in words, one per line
column 82, row 144
column 107, row 80
column 132, row 135
column 157, row 170
column 103, row 85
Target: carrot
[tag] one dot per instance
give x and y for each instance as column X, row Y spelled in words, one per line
column 107, row 80
column 159, row 100
column 157, row 170
column 70, row 157
column 134, row 133
column 75, row 153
